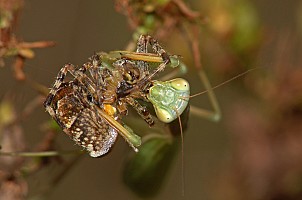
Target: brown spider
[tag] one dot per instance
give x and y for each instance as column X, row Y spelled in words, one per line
column 89, row 108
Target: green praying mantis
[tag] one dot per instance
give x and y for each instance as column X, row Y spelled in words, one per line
column 100, row 98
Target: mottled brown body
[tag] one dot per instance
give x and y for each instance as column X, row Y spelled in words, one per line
column 90, row 107
column 80, row 120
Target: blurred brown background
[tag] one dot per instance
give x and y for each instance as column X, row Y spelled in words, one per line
column 231, row 159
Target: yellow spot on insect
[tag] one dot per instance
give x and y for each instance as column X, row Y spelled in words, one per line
column 109, row 109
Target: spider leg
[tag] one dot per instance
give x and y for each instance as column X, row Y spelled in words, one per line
column 157, row 48
column 144, row 40
column 95, row 67
column 141, row 110
column 77, row 74
column 59, row 81
column 96, row 72
column 142, row 43
column 83, row 78
column 142, row 48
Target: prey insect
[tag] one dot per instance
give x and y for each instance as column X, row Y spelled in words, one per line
column 90, row 107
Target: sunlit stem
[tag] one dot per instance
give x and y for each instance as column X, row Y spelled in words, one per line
column 38, row 154
column 214, row 115
column 212, row 96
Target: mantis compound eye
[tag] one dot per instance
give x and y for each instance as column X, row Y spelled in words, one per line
column 163, row 114
column 169, row 98
column 180, row 84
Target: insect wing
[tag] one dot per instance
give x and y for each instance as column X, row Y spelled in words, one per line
column 93, row 133
column 82, row 122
